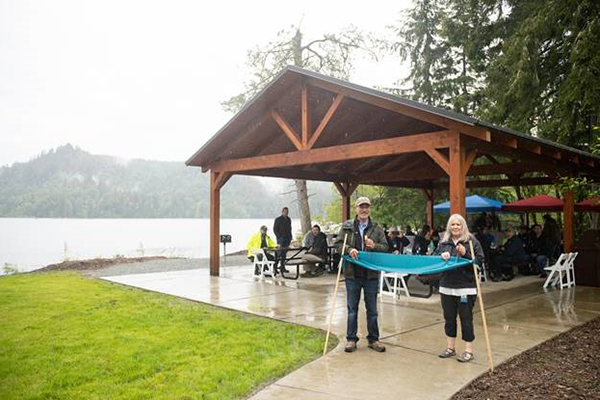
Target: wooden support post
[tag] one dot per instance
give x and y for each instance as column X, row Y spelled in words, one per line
column 346, row 190
column 457, row 177
column 217, row 180
column 429, row 208
column 305, row 117
column 568, row 209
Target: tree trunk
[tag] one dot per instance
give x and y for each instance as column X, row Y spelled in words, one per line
column 301, row 190
column 303, row 207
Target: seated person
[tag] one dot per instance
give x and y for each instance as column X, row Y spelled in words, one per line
column 422, row 240
column 512, row 253
column 260, row 240
column 308, row 239
column 540, row 250
column 485, row 239
column 316, row 253
column 396, row 241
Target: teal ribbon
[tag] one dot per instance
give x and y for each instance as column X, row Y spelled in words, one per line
column 406, row 264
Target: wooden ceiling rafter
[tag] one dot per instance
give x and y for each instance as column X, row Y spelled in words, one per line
column 374, row 148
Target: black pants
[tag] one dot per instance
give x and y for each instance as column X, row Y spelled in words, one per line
column 452, row 305
column 502, row 264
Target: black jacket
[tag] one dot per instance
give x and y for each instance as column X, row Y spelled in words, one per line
column 374, row 232
column 540, row 245
column 420, row 245
column 319, row 246
column 460, row 278
column 283, row 227
column 514, row 250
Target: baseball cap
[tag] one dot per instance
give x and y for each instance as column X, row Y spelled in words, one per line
column 362, row 200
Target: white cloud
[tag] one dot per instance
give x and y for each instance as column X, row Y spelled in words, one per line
column 143, row 79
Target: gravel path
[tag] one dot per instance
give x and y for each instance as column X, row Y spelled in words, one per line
column 177, row 264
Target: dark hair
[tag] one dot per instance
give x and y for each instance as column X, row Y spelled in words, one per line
column 534, row 225
column 284, row 209
column 317, row 226
column 424, row 230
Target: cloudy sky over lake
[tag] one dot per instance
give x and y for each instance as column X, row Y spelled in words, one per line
column 144, row 79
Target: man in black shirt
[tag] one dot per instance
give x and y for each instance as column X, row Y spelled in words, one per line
column 283, row 233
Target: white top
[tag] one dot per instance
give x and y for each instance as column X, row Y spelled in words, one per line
column 458, row 292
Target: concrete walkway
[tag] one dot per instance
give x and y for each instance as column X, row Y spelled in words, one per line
column 520, row 315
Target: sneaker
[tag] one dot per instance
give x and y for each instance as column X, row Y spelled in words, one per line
column 350, row 347
column 378, row 347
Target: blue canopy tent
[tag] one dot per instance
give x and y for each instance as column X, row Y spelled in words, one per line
column 474, row 204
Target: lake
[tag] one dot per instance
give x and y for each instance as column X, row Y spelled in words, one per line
column 30, row 243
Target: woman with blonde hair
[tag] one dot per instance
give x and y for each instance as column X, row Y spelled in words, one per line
column 458, row 289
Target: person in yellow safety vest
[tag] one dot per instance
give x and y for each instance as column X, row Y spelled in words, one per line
column 259, row 240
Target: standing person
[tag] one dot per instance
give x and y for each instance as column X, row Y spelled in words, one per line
column 458, row 289
column 283, row 233
column 552, row 232
column 363, row 235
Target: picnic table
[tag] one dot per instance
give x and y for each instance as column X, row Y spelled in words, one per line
column 293, row 257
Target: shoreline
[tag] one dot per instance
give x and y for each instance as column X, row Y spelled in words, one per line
column 100, row 267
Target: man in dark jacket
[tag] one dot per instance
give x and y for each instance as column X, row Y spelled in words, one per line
column 362, row 235
column 283, row 232
column 316, row 253
column 512, row 253
column 540, row 250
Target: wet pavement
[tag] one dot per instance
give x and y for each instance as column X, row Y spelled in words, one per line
column 520, row 315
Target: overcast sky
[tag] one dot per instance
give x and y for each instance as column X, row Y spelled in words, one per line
column 143, row 79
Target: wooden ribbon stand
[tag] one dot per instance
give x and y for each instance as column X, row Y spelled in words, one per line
column 482, row 308
column 337, row 284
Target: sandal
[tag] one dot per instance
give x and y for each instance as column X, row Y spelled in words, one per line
column 465, row 356
column 447, row 353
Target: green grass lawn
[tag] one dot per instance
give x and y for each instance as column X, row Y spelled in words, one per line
column 65, row 336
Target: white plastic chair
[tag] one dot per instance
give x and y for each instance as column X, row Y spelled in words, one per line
column 264, row 265
column 390, row 280
column 556, row 271
column 569, row 272
column 482, row 273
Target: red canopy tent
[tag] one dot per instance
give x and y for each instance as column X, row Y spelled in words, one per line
column 540, row 202
column 589, row 205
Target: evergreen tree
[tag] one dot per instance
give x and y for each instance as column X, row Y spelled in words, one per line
column 330, row 54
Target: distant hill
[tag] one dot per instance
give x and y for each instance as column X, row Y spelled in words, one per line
column 72, row 183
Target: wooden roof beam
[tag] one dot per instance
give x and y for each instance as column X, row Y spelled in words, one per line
column 328, row 115
column 412, row 112
column 374, row 148
column 296, row 174
column 287, row 129
column 439, row 159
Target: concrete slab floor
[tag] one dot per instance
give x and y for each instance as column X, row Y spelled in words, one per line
column 520, row 315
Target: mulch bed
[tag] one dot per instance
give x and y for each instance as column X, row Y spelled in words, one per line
column 564, row 367
column 96, row 263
